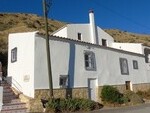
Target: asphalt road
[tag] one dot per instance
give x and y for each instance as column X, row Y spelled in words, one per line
column 144, row 108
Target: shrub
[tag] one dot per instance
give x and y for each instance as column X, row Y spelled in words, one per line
column 110, row 94
column 133, row 97
column 63, row 105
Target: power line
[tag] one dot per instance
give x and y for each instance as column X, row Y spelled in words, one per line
column 120, row 15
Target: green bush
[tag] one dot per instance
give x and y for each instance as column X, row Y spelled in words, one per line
column 110, row 94
column 71, row 105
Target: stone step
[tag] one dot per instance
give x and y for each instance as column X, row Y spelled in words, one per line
column 5, row 84
column 10, row 92
column 22, row 110
column 7, row 94
column 7, row 90
column 13, row 106
column 5, row 97
column 12, row 101
column 9, row 99
column 6, row 87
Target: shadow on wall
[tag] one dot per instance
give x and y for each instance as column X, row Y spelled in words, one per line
column 4, row 60
column 147, row 54
column 71, row 70
column 15, row 84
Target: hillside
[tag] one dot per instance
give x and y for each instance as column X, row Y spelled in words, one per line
column 11, row 23
column 123, row 36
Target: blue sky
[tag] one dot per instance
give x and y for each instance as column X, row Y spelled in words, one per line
column 127, row 15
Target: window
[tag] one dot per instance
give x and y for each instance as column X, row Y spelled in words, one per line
column 79, row 36
column 89, row 58
column 135, row 64
column 124, row 66
column 14, row 55
column 104, row 42
column 63, row 81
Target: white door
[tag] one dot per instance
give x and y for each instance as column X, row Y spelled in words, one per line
column 92, row 89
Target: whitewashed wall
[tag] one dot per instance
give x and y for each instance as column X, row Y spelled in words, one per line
column 103, row 35
column 61, row 32
column 71, row 31
column 132, row 47
column 74, row 29
column 68, row 59
column 22, row 71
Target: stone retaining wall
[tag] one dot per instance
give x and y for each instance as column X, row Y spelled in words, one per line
column 135, row 87
column 141, row 87
column 62, row 93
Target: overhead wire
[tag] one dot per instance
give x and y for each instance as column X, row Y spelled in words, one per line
column 120, row 15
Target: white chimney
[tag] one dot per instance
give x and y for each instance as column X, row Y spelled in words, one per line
column 93, row 28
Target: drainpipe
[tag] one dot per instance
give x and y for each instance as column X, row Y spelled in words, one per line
column 93, row 29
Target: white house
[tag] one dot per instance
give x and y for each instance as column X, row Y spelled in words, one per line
column 83, row 58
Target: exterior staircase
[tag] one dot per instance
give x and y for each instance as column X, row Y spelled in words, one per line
column 11, row 101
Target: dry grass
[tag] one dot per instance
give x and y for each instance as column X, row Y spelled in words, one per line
column 123, row 36
column 12, row 23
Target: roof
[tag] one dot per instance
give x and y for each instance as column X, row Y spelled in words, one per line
column 51, row 37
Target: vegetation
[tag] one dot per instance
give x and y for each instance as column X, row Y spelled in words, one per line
column 144, row 94
column 124, row 36
column 17, row 22
column 133, row 97
column 12, row 23
column 111, row 95
column 71, row 105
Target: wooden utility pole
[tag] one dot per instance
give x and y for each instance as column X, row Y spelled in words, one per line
column 46, row 6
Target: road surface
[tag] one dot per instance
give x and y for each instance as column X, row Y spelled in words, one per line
column 144, row 108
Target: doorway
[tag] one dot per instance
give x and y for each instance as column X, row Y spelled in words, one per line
column 128, row 85
column 92, row 89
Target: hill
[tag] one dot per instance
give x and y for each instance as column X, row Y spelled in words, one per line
column 12, row 23
column 123, row 36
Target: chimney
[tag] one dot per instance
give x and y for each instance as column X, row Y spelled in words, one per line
column 93, row 28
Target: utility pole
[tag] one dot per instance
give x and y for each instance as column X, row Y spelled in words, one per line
column 46, row 7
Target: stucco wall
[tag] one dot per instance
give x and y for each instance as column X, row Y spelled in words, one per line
column 103, row 35
column 74, row 29
column 22, row 71
column 68, row 59
column 61, row 33
column 132, row 47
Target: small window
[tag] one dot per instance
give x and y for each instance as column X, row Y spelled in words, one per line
column 124, row 66
column 89, row 58
column 128, row 85
column 79, row 36
column 104, row 42
column 135, row 64
column 63, row 81
column 14, row 55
